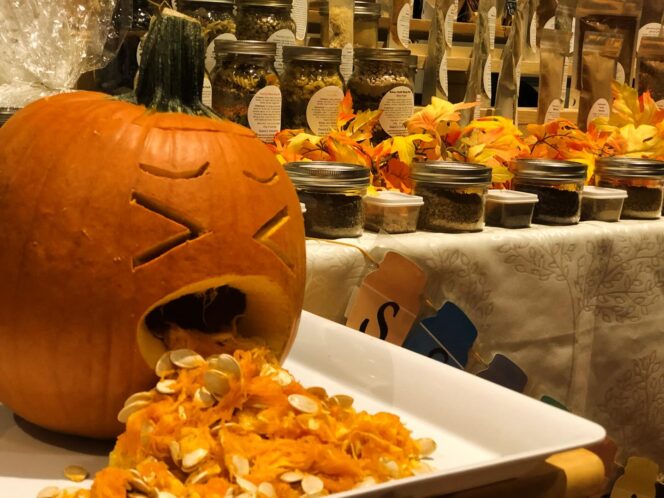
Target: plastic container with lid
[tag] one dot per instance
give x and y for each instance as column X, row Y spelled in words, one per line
column 454, row 195
column 509, row 208
column 243, row 80
column 558, row 186
column 332, row 194
column 392, row 212
column 381, row 79
column 312, row 88
column 642, row 179
column 366, row 16
column 602, row 204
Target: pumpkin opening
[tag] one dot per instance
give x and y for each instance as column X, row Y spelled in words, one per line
column 218, row 315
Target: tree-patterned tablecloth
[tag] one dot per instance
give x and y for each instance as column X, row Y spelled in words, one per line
column 580, row 309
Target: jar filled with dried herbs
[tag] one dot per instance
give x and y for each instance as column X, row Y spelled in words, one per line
column 332, row 194
column 454, row 195
column 245, row 85
column 366, row 16
column 558, row 185
column 642, row 179
column 381, row 79
column 313, row 88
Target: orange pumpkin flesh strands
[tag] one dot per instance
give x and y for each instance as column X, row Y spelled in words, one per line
column 267, row 428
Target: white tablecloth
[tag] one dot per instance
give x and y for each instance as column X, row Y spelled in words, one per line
column 580, row 309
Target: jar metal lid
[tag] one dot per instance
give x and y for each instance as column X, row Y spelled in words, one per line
column 451, row 172
column 313, row 54
column 265, row 3
column 382, row 54
column 360, row 9
column 245, row 47
column 325, row 174
column 549, row 170
column 631, row 167
column 204, row 2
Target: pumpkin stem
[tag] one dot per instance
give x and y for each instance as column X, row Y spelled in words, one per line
column 170, row 77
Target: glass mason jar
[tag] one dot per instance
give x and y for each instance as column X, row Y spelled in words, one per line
column 245, row 85
column 558, row 185
column 454, row 195
column 642, row 179
column 141, row 15
column 381, row 80
column 332, row 194
column 366, row 16
column 313, row 88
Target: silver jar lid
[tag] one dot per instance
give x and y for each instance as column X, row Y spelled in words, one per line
column 382, row 54
column 265, row 3
column 312, row 54
column 549, row 170
column 450, row 172
column 327, row 175
column 245, row 47
column 630, row 167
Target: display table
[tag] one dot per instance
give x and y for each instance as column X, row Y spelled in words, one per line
column 579, row 309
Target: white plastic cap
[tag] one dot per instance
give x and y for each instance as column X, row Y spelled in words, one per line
column 391, row 198
column 511, row 197
column 590, row 192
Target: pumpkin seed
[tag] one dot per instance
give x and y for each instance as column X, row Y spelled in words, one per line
column 241, row 465
column 127, row 410
column 203, row 475
column 217, row 383
column 283, row 378
column 266, row 489
column 312, row 484
column 76, row 473
column 226, row 363
column 138, row 484
column 366, row 482
column 303, row 403
column 164, row 365
column 174, row 448
column 49, row 492
column 426, row 446
column 268, row 370
column 140, row 396
column 193, row 458
column 343, row 400
column 166, row 386
column 186, row 358
column 166, row 494
column 422, row 468
column 246, row 485
column 203, row 398
column 391, row 466
column 292, row 476
column 318, row 392
column 246, row 495
column 229, row 493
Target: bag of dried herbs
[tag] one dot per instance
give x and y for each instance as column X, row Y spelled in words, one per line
column 440, row 43
column 650, row 68
column 507, row 90
column 554, row 47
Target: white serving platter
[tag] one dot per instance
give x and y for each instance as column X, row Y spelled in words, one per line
column 485, row 433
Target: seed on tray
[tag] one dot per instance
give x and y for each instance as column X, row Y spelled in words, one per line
column 139, row 485
column 303, row 403
column 292, row 476
column 127, row 410
column 312, row 485
column 166, row 494
column 283, row 378
column 76, row 473
column 226, row 363
column 49, row 492
column 266, row 489
column 426, row 446
column 186, row 358
column 204, row 398
column 193, row 458
column 342, row 400
column 241, row 465
column 140, row 396
column 203, row 475
column 166, row 386
column 164, row 365
column 174, row 448
column 246, row 485
column 318, row 391
column 216, row 382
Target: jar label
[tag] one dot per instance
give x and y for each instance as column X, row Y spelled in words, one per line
column 282, row 37
column 600, row 109
column 322, row 109
column 299, row 15
column 210, row 59
column 553, row 112
column 650, row 29
column 206, row 95
column 397, row 106
column 403, row 25
column 264, row 113
column 533, row 32
column 442, row 74
column 620, row 73
column 346, row 68
column 550, row 23
column 492, row 27
column 450, row 19
column 487, row 77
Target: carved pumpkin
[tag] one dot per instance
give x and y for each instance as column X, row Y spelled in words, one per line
column 126, row 230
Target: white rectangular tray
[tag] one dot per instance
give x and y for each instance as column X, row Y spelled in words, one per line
column 485, row 433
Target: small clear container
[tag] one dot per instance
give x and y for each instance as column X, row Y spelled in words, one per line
column 642, row 179
column 332, row 194
column 366, row 16
column 391, row 212
column 558, row 186
column 509, row 208
column 260, row 19
column 313, row 88
column 602, row 204
column 454, row 195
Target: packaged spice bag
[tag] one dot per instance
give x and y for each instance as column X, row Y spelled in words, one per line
column 478, row 80
column 598, row 63
column 440, row 44
column 614, row 16
column 340, row 31
column 554, row 47
column 399, row 34
column 564, row 21
column 545, row 17
column 651, row 20
column 507, row 90
column 650, row 68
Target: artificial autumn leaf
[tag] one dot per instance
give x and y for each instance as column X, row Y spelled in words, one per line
column 397, row 176
column 346, row 113
column 435, row 115
column 629, row 108
column 405, row 147
column 362, row 126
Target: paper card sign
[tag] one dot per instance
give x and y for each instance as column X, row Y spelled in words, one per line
column 506, row 373
column 388, row 301
column 638, row 481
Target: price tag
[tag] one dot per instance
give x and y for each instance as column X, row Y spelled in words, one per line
column 506, row 373
column 638, row 481
column 388, row 301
